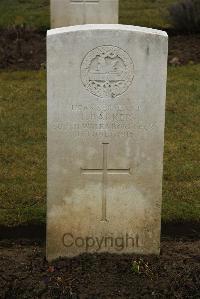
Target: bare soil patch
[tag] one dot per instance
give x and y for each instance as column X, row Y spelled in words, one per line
column 22, row 48
column 26, row 274
column 184, row 49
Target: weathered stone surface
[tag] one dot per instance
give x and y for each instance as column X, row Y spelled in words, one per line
column 78, row 12
column 106, row 110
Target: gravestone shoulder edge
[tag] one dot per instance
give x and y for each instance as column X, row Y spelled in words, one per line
column 96, row 27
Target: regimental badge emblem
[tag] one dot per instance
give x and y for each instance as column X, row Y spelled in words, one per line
column 107, row 71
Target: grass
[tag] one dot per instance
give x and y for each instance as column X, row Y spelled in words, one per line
column 33, row 13
column 181, row 161
column 36, row 13
column 23, row 147
column 148, row 13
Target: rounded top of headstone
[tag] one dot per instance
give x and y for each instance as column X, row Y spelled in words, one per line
column 116, row 27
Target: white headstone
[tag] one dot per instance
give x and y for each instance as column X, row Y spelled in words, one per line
column 106, row 111
column 78, row 12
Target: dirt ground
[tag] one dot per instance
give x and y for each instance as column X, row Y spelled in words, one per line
column 26, row 274
column 22, row 48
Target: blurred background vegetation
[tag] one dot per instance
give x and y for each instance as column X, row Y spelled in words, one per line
column 165, row 14
column 36, row 13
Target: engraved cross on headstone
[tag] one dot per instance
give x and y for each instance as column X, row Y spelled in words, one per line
column 105, row 171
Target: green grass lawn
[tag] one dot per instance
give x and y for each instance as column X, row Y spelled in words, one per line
column 148, row 13
column 35, row 13
column 181, row 185
column 23, row 147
